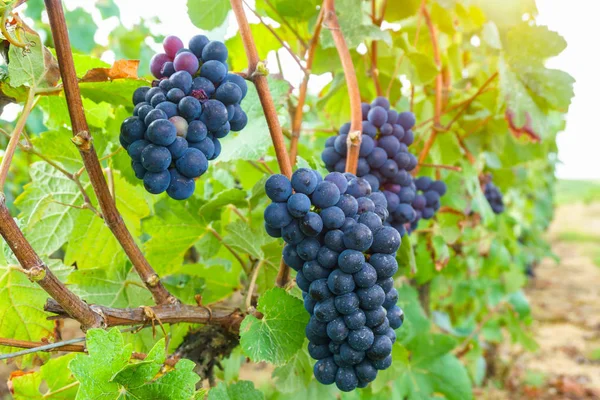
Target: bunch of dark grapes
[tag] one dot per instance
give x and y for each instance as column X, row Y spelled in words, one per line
column 494, row 197
column 427, row 201
column 177, row 123
column 345, row 262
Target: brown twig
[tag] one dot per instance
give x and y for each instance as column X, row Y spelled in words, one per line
column 262, row 87
column 38, row 272
column 228, row 247
column 355, row 135
column 439, row 166
column 463, row 146
column 14, row 139
column 82, row 138
column 279, row 39
column 24, row 344
column 166, row 313
column 288, row 25
column 376, row 21
column 252, row 285
column 438, row 89
column 467, row 103
column 299, row 112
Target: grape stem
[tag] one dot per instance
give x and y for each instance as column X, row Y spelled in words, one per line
column 299, row 112
column 437, row 113
column 376, row 21
column 83, row 139
column 279, row 39
column 440, row 166
column 252, row 285
column 355, row 134
column 14, row 139
column 38, row 272
column 262, row 88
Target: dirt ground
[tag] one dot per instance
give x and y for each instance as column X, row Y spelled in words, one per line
column 565, row 302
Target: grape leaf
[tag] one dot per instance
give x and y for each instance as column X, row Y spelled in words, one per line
column 253, row 142
column 119, row 91
column 280, row 333
column 138, row 381
column 54, row 146
column 108, row 8
column 295, row 375
column 27, row 68
column 81, row 21
column 245, row 239
column 242, row 390
column 48, row 224
column 208, row 14
column 211, row 211
column 118, row 287
column 290, row 8
column 406, row 255
column 58, row 384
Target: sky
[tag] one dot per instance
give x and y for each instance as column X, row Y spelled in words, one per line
column 575, row 20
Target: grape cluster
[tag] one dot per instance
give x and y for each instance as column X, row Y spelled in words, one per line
column 345, row 262
column 494, row 197
column 177, row 123
column 427, row 200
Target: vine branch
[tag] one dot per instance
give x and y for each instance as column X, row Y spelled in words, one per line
column 262, row 88
column 376, row 21
column 83, row 139
column 299, row 112
column 438, row 88
column 355, row 135
column 39, row 272
column 14, row 139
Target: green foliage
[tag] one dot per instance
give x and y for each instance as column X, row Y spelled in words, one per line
column 465, row 267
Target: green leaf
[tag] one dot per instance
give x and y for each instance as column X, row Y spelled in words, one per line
column 295, row 375
column 247, row 240
column 108, row 9
column 211, row 211
column 291, row 8
column 118, row 287
column 355, row 26
column 27, row 68
column 280, row 333
column 81, row 21
column 107, row 355
column 48, row 225
column 406, row 254
column 93, row 245
column 242, row 390
column 208, row 14
column 58, row 384
column 536, row 43
column 253, row 142
column 119, row 91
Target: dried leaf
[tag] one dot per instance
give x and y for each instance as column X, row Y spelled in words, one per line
column 121, row 69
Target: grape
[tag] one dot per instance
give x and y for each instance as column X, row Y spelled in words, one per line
column 180, row 187
column 365, row 205
column 494, row 197
column 334, row 240
column 361, row 339
column 365, row 371
column 351, row 261
column 384, row 264
column 337, row 330
column 186, row 62
column 214, row 71
column 169, row 108
column 347, row 303
column 366, row 277
column 291, row 233
column 356, row 320
column 278, row 188
column 277, row 216
column 153, row 116
column 371, row 297
column 151, row 93
column 308, row 249
column 206, row 146
column 214, row 51
column 214, row 114
column 192, row 163
column 386, row 240
column 351, row 356
column 143, row 111
column 325, row 310
column 327, row 257
column 311, row 224
column 167, row 70
column 333, row 217
column 375, row 317
column 138, row 169
column 139, row 95
column 382, row 347
column 391, row 298
column 161, row 132
column 319, row 290
column 239, row 120
column 439, row 187
column 319, row 352
column 298, row 204
column 182, row 80
column 190, row 108
column 135, row 149
column 239, row 81
column 172, row 44
column 383, row 363
column 197, row 44
column 157, row 99
column 132, row 129
column 325, row 371
column 313, row 271
column 359, row 237
column 156, row 64
column 396, row 317
column 291, row 257
column 377, row 116
column 157, row 182
column 304, row 181
column 204, row 86
column 340, row 282
column 228, row 93
column 156, row 158
column 348, row 204
column 326, row 194
column 390, row 144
